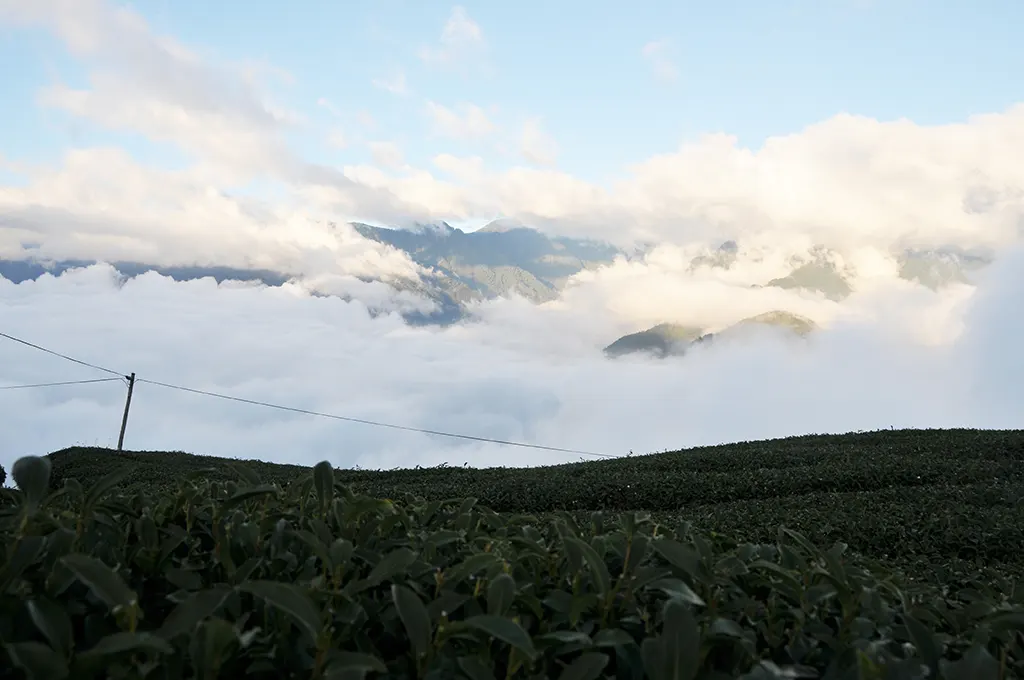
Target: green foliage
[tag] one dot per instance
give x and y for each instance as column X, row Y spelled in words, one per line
column 943, row 505
column 252, row 577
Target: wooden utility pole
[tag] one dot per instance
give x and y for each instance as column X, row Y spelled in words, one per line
column 127, row 405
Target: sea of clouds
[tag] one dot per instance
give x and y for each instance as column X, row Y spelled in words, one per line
column 894, row 354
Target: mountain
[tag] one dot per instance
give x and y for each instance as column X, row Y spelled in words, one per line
column 506, row 258
column 667, row 339
column 662, row 340
column 499, row 260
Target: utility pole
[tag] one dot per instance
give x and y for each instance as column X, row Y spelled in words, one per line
column 127, row 405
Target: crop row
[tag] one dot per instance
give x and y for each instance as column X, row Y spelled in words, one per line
column 314, row 580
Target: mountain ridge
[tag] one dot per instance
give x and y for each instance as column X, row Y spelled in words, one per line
column 506, row 258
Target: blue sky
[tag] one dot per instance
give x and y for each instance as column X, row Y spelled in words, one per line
column 752, row 69
column 571, row 115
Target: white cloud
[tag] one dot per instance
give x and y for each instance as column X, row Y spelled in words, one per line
column 537, row 146
column 904, row 355
column 366, row 119
column 386, row 154
column 101, row 205
column 464, row 169
column 337, row 139
column 660, row 56
column 327, row 104
column 461, row 39
column 465, row 121
column 523, row 373
column 395, row 85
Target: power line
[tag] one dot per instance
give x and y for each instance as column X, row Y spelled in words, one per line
column 374, row 422
column 62, row 356
column 292, row 409
column 55, row 384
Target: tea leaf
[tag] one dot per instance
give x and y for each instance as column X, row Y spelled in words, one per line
column 587, row 666
column 100, row 579
column 414, row 617
column 290, row 600
column 32, row 475
column 37, row 661
column 505, row 630
column 53, row 622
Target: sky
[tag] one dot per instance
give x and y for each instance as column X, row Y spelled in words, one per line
column 179, row 133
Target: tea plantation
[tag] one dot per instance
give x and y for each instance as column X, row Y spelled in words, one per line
column 895, row 554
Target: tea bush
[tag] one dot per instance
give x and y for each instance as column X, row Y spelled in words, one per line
column 309, row 578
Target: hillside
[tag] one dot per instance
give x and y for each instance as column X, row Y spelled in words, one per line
column 894, row 554
column 669, row 339
column 931, row 495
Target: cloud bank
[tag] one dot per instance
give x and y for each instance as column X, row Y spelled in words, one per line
column 524, row 373
column 892, row 354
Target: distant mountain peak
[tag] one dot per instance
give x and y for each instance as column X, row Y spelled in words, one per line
column 671, row 339
column 501, row 225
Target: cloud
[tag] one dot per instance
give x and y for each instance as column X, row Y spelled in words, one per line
column 464, row 169
column 245, row 198
column 525, row 372
column 461, row 39
column 102, row 205
column 537, row 146
column 366, row 119
column 337, row 139
column 659, row 55
column 396, row 85
column 465, row 121
column 329, row 106
column 386, row 154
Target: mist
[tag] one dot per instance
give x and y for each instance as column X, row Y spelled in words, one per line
column 165, row 155
column 521, row 372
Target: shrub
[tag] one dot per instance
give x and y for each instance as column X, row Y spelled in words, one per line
column 312, row 580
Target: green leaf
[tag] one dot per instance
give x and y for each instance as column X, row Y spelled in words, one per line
column 37, row 661
column 54, row 623
column 820, row 592
column 26, row 552
column 474, row 668
column 119, row 643
column 393, row 564
column 32, row 475
column 598, row 568
column 192, row 610
column 505, row 630
column 244, row 495
column 587, row 666
column 217, row 637
column 726, row 628
column 927, row 645
column 290, row 600
column 244, row 473
column 414, row 617
column 976, row 664
column 679, row 644
column 1008, row 621
column 100, row 579
column 678, row 555
column 676, row 588
column 352, row 664
column 613, row 637
column 184, row 579
column 105, row 484
column 500, row 594
column 323, row 482
column 567, row 637
column 470, row 565
column 340, row 552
